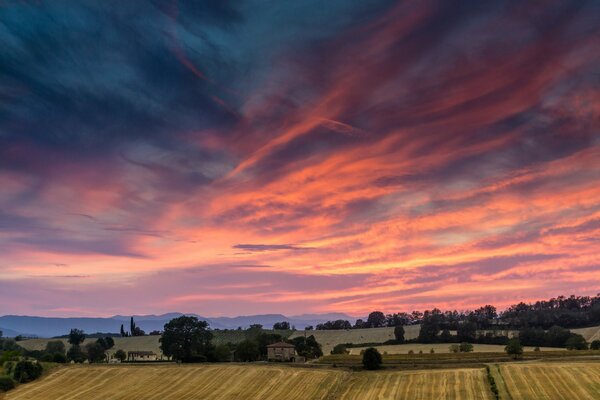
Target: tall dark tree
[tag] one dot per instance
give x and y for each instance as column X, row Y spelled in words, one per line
column 467, row 332
column 399, row 333
column 430, row 326
column 76, row 337
column 376, row 319
column 186, row 339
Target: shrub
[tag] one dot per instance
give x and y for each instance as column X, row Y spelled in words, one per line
column 59, row 358
column 27, row 371
column 431, row 351
column 372, row 359
column 595, row 345
column 576, row 342
column 465, row 347
column 399, row 333
column 514, row 348
column 536, row 348
column 339, row 349
column 454, row 348
column 120, row 355
column 420, row 351
column 6, row 383
column 75, row 354
column 411, row 352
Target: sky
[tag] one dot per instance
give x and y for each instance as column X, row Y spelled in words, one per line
column 249, row 157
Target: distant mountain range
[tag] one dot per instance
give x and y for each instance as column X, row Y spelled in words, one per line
column 13, row 325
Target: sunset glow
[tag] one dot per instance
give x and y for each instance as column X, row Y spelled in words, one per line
column 228, row 158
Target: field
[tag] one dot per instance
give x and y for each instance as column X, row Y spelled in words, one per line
column 438, row 348
column 226, row 382
column 328, row 339
column 147, row 343
column 466, row 383
column 516, row 381
column 549, row 381
column 181, row 382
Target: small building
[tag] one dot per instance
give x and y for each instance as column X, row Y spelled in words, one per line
column 141, row 355
column 281, row 351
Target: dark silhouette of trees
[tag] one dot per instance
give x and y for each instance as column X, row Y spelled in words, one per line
column 281, row 326
column 134, row 329
column 467, row 332
column 55, row 347
column 337, row 324
column 76, row 337
column 186, row 339
column 95, row 352
column 307, row 347
column 120, row 355
column 376, row 319
column 247, row 350
column 399, row 333
column 576, row 342
column 372, row 359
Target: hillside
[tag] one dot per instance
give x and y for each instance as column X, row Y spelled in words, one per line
column 51, row 327
column 327, row 338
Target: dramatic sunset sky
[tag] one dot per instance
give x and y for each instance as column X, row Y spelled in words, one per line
column 245, row 157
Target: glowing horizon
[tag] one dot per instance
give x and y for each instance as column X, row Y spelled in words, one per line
column 229, row 159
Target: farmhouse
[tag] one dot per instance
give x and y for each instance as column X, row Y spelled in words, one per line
column 141, row 355
column 281, row 351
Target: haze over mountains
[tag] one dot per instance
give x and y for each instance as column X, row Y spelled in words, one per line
column 12, row 325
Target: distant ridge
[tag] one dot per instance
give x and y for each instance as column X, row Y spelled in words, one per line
column 49, row 327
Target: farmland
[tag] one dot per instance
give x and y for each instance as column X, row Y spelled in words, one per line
column 182, row 382
column 467, row 384
column 250, row 382
column 516, row 381
column 438, row 348
column 574, row 380
column 327, row 338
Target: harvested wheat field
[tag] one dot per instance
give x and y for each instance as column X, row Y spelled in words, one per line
column 550, row 381
column 164, row 382
column 460, row 384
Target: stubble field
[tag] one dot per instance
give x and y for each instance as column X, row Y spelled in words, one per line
column 516, row 381
column 552, row 381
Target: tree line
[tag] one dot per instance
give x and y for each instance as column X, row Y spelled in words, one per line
column 567, row 312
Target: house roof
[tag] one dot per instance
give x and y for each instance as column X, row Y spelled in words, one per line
column 282, row 344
